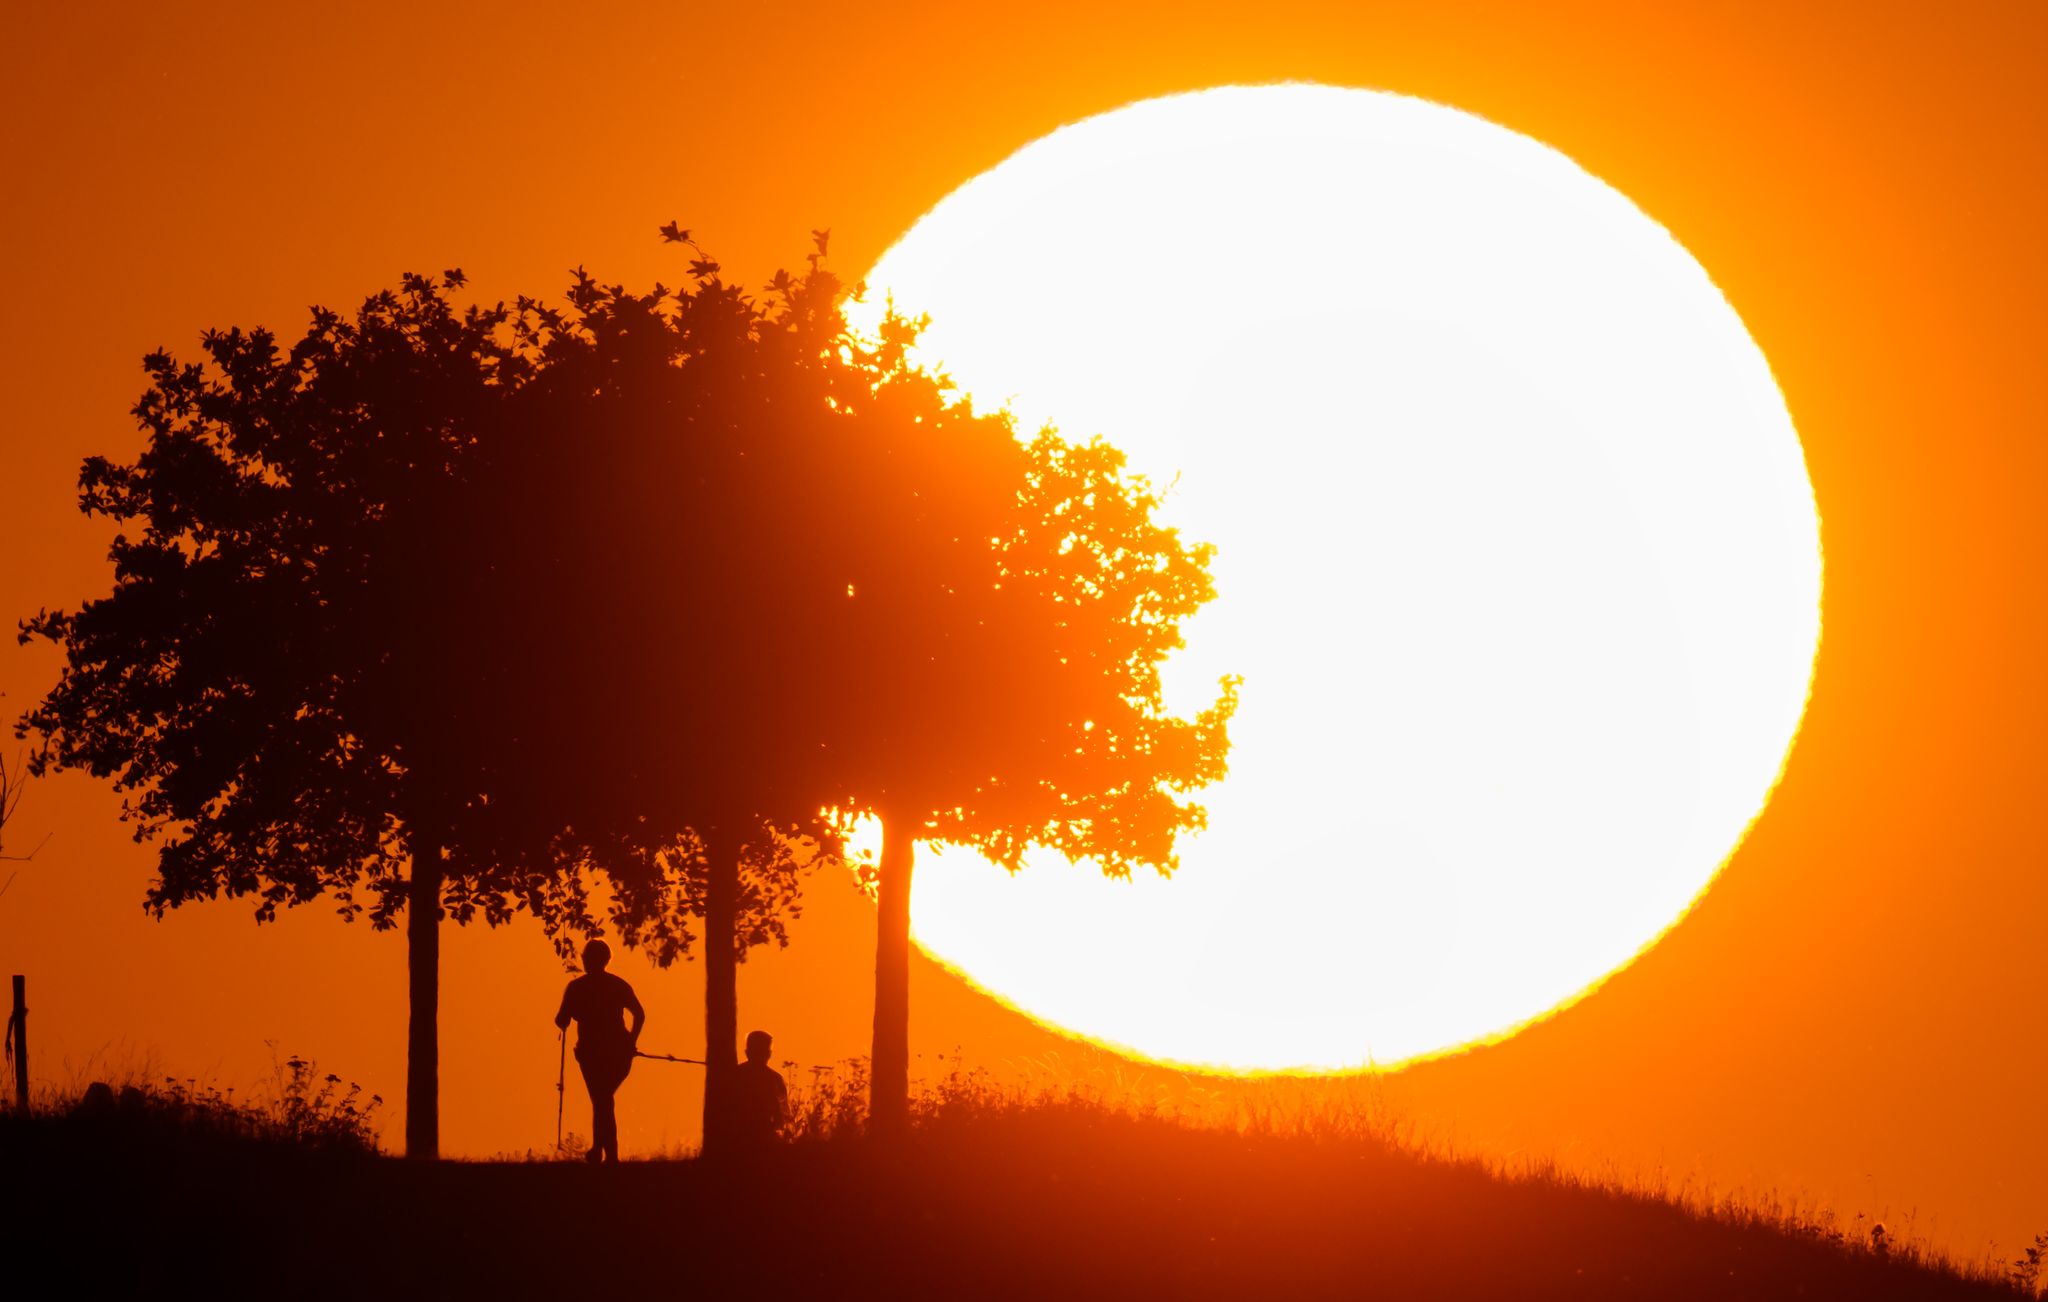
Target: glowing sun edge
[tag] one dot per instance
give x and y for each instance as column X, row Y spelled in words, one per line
column 868, row 835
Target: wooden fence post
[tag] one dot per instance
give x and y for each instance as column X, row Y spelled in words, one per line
column 17, row 1026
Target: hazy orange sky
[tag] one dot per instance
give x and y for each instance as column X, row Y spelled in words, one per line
column 1853, row 1014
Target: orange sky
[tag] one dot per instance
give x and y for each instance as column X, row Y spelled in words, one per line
column 1852, row 1014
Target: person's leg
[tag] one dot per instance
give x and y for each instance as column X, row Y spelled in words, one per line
column 605, row 1121
column 597, row 1084
column 611, row 1107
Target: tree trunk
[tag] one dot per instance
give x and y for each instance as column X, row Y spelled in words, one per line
column 423, row 964
column 889, row 1085
column 721, row 990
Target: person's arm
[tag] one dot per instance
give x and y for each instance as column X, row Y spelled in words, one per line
column 562, row 1014
column 636, row 1015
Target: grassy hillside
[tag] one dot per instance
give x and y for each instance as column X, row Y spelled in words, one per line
column 986, row 1199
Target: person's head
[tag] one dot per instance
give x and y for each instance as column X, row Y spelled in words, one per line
column 758, row 1045
column 597, row 956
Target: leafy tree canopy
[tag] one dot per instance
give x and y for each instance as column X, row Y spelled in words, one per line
column 274, row 682
column 756, row 567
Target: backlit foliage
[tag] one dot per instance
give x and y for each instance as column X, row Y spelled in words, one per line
column 756, row 567
column 274, row 684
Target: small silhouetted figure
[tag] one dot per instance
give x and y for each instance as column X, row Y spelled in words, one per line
column 599, row 1003
column 759, row 1098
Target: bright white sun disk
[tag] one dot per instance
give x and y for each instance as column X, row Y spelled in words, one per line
column 1517, row 556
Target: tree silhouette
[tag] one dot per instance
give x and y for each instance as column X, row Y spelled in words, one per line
column 1019, row 701
column 784, row 572
column 278, row 682
column 662, row 509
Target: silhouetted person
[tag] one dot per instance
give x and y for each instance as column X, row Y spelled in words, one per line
column 599, row 1003
column 759, row 1098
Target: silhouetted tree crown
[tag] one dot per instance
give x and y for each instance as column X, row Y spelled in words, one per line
column 767, row 567
column 770, row 568
column 279, row 683
column 274, row 683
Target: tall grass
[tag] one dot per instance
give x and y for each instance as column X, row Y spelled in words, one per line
column 301, row 1108
column 1353, row 1117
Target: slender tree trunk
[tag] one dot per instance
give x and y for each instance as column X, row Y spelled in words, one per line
column 889, row 1085
column 423, row 964
column 721, row 990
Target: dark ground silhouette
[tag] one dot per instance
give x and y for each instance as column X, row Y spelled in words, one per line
column 1032, row 1202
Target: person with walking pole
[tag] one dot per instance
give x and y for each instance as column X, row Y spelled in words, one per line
column 600, row 1004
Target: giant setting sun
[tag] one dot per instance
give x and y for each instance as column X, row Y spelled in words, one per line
column 1517, row 556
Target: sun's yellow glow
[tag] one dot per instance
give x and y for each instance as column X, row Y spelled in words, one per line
column 1517, row 555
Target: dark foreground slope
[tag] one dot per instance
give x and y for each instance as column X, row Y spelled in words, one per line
column 1044, row 1203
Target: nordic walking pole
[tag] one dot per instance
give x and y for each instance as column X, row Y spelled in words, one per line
column 561, row 1078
